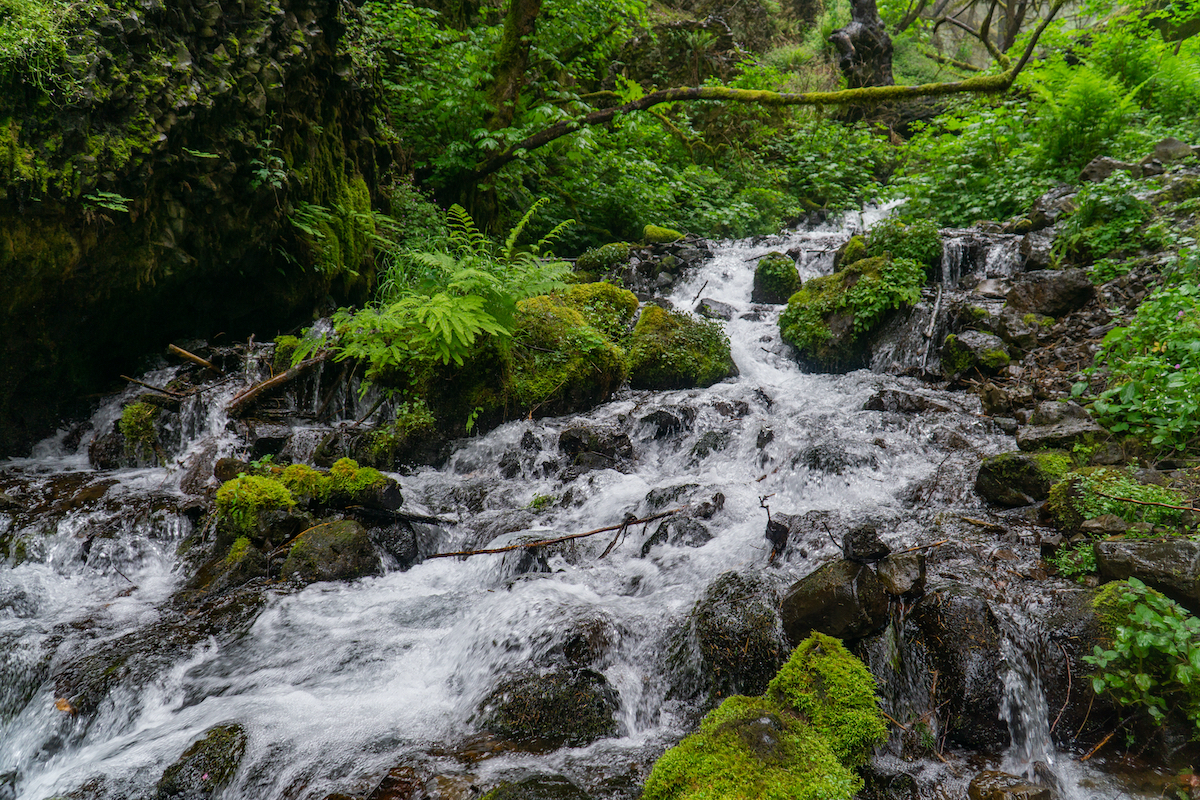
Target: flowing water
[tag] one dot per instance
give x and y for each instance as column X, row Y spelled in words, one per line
column 339, row 682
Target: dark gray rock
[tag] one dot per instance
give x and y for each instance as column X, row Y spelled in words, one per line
column 1051, row 292
column 714, row 309
column 972, row 351
column 902, row 574
column 539, row 710
column 667, row 422
column 1036, row 249
column 831, row 458
column 1102, row 167
column 332, row 552
column 1168, row 564
column 993, row 785
column 205, row 768
column 903, row 402
column 1013, row 479
column 1058, row 425
column 863, row 545
column 595, row 447
column 1171, row 149
column 681, row 530
column 538, row 787
column 841, row 599
column 736, row 628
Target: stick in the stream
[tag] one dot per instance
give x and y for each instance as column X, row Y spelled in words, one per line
column 556, row 540
column 195, row 359
column 158, row 389
column 239, row 404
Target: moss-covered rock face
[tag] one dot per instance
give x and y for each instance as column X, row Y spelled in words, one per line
column 826, row 320
column 601, row 259
column 654, row 234
column 677, row 351
column 243, row 502
column 803, row 738
column 543, row 711
column 137, row 428
column 1018, row 479
column 145, row 193
column 334, row 551
column 207, row 767
column 855, row 249
column 972, row 351
column 775, row 279
column 540, row 787
column 1088, row 493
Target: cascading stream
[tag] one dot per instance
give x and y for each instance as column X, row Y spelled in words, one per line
column 338, row 683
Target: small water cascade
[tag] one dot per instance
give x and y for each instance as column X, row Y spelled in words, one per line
column 339, row 683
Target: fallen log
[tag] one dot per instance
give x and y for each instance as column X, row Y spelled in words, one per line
column 239, row 404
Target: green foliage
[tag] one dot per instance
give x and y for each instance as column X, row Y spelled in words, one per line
column 864, row 291
column 1081, row 495
column 33, row 41
column 137, row 428
column 799, row 741
column 109, row 201
column 1075, row 562
column 855, row 250
column 1154, row 660
column 918, row 240
column 1108, row 219
column 670, row 350
column 1153, row 365
column 830, row 165
column 241, row 500
column 598, row 260
column 1082, row 111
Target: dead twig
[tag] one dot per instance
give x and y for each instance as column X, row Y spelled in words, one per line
column 629, row 520
column 1068, row 700
column 1146, row 502
column 525, row 545
column 195, row 359
column 1103, row 742
column 697, row 297
column 924, row 546
column 167, row 392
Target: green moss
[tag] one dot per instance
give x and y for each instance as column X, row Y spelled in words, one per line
column 956, row 359
column 241, row 500
column 1081, row 495
column 775, row 278
column 670, row 350
column 802, row 739
column 1112, row 609
column 137, row 427
column 653, row 234
column 919, row 240
column 237, row 551
column 602, row 259
column 854, row 251
column 304, row 481
column 607, row 308
column 825, row 319
column 347, row 478
column 413, row 422
column 1053, row 463
column 285, row 346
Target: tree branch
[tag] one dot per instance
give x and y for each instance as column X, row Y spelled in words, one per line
column 525, row 545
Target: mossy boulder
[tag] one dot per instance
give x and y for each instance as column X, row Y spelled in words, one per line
column 538, row 787
column 137, row 428
column 1092, row 492
column 654, row 234
column 841, row 598
column 828, row 318
column 333, row 551
column 972, row 351
column 738, row 634
column 411, row 438
column 248, row 505
column 244, row 562
column 549, row 709
column 919, row 240
column 1019, row 479
column 670, row 350
column 802, row 739
column 285, row 348
column 205, row 768
column 600, row 260
column 775, row 279
column 855, row 249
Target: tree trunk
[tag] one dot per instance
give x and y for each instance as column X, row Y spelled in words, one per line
column 865, row 47
column 512, row 60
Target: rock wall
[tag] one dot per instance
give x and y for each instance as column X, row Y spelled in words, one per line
column 148, row 184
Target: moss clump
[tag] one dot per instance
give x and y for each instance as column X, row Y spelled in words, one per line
column 775, row 279
column 956, row 359
column 330, row 552
column 919, row 240
column 304, row 481
column 802, row 739
column 241, row 546
column 559, row 360
column 347, row 478
column 137, row 427
column 242, row 500
column 1088, row 493
column 961, row 354
column 677, row 351
column 285, row 347
column 826, row 318
column 854, row 251
column 607, row 308
column 653, row 234
column 602, row 259
column 1113, row 609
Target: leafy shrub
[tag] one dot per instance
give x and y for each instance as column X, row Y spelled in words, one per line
column 919, row 240
column 831, row 165
column 1082, row 110
column 1075, row 562
column 1090, row 493
column 1108, row 219
column 1154, row 660
column 1153, row 365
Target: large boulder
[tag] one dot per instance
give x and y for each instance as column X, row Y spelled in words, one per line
column 842, row 598
column 670, row 350
column 333, row 551
column 540, row 710
column 1169, row 564
column 737, row 631
column 1019, row 479
column 1058, row 425
column 972, row 351
column 205, row 768
column 1051, row 292
column 775, row 279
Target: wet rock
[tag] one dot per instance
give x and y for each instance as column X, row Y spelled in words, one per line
column 736, row 627
column 267, row 439
column 595, row 447
column 962, row 638
column 902, row 574
column 1055, row 425
column 667, row 422
column 226, row 469
column 831, row 459
column 863, row 545
column 992, row 785
column 680, row 530
column 1102, row 167
column 1103, row 526
column 205, row 768
column 540, row 787
column 1168, row 564
column 710, row 442
column 715, row 309
column 841, row 599
column 658, row 499
column 107, row 451
column 241, row 565
column 397, row 540
column 400, row 783
column 971, row 351
column 1051, row 292
column 549, row 709
column 1037, row 249
column 670, row 350
column 1019, row 479
column 1048, row 209
column 331, row 552
column 775, row 279
column 904, row 402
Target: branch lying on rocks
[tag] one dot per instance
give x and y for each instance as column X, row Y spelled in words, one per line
column 239, row 404
column 195, row 359
column 1146, row 502
column 526, row 545
column 159, row 389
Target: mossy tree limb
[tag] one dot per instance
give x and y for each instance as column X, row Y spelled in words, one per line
column 512, row 59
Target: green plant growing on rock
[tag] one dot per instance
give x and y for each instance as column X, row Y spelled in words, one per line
column 919, row 240
column 826, row 317
column 670, row 350
column 775, row 278
column 1108, row 219
column 656, row 234
column 598, row 260
column 240, row 501
column 1075, row 562
column 1153, row 662
column 803, row 738
column 1091, row 492
column 137, row 427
